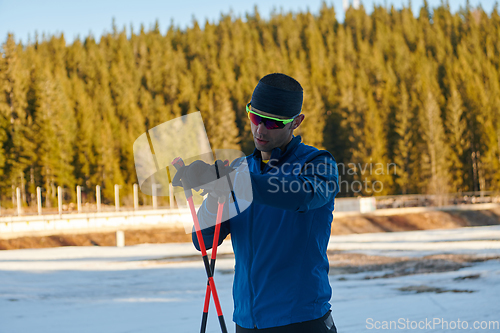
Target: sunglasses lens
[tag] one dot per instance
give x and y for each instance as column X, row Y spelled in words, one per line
column 273, row 124
column 269, row 123
column 255, row 119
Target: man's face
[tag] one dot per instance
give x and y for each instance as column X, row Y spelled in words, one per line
column 267, row 139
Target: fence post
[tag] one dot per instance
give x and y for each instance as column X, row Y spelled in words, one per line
column 117, row 197
column 120, row 238
column 79, row 198
column 18, row 198
column 171, row 195
column 136, row 196
column 155, row 199
column 59, row 199
column 98, row 197
column 39, row 200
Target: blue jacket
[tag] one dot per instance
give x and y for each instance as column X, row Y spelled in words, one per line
column 280, row 240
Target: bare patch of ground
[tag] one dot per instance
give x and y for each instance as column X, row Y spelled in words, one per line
column 132, row 237
column 418, row 221
column 170, row 260
column 426, row 289
column 467, row 277
column 352, row 263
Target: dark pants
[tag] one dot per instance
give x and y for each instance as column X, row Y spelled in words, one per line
column 313, row 326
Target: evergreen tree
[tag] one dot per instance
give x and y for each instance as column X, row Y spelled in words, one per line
column 403, row 148
column 456, row 126
column 17, row 145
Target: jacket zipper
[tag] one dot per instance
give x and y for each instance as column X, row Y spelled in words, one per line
column 251, row 261
column 250, row 276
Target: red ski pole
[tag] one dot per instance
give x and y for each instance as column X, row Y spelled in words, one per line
column 178, row 163
column 220, row 208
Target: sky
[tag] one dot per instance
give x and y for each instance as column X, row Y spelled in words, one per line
column 75, row 19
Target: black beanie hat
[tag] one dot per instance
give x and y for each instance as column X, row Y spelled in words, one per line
column 278, row 94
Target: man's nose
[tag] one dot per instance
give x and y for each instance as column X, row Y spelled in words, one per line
column 261, row 128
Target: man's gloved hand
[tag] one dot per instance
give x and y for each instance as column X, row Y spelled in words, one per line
column 200, row 175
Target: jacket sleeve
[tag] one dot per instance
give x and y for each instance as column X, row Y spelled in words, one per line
column 314, row 186
column 207, row 219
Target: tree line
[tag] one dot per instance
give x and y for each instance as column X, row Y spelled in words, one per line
column 416, row 91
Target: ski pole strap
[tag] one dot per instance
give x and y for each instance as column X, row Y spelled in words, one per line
column 217, row 169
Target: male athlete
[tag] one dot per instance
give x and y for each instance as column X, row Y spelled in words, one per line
column 280, row 241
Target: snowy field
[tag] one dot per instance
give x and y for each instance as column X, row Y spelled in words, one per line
column 161, row 288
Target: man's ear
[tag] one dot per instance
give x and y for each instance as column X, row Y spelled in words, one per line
column 297, row 121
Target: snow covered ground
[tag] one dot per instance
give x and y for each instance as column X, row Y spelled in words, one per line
column 161, row 288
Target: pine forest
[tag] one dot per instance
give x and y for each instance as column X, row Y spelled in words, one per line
column 409, row 101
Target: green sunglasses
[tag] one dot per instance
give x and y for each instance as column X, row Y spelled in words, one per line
column 269, row 122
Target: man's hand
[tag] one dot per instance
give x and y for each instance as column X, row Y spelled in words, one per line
column 200, row 175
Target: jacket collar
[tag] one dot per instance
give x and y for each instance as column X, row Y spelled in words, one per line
column 277, row 153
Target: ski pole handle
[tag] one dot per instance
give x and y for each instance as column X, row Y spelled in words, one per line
column 179, row 163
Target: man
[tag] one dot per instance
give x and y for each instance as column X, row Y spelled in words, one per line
column 280, row 241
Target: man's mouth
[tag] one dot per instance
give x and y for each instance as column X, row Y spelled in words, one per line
column 261, row 142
